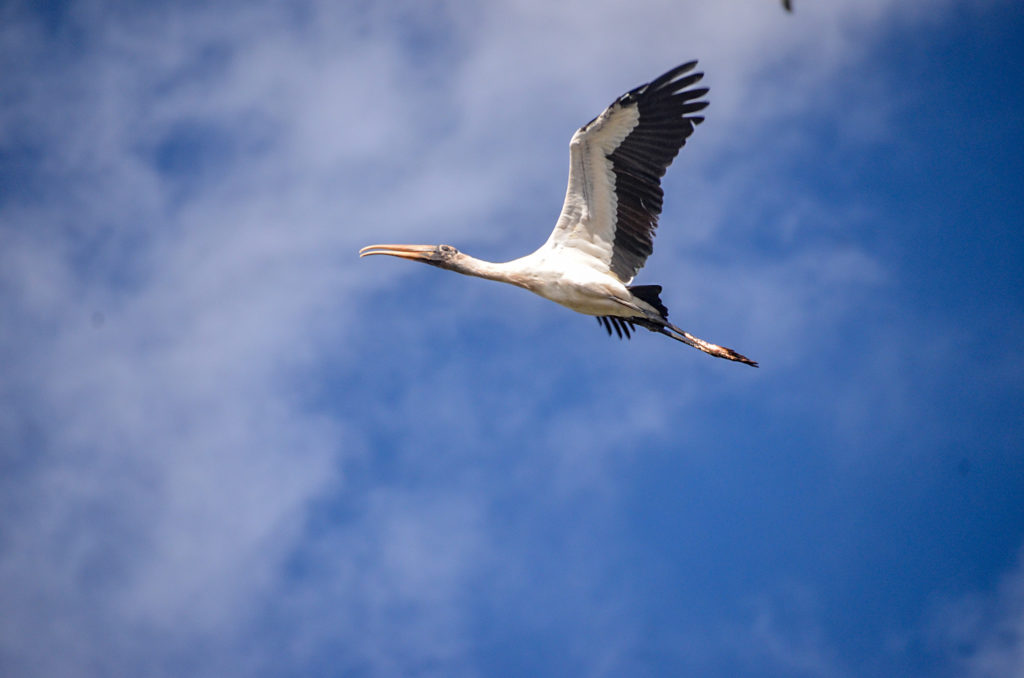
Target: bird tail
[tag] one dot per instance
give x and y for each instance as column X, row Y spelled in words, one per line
column 651, row 294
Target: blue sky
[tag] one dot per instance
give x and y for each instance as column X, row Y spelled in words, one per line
column 230, row 447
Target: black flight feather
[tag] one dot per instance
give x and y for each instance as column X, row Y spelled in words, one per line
column 665, row 108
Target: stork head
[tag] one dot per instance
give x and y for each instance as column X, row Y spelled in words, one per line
column 442, row 256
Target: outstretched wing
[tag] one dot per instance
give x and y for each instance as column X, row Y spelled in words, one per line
column 617, row 161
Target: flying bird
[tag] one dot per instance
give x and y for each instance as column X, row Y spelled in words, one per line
column 604, row 234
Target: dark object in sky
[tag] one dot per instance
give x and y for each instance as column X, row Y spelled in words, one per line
column 604, row 233
column 788, row 4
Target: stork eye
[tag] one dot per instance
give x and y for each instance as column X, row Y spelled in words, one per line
column 448, row 249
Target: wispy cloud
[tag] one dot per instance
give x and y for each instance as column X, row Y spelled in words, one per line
column 983, row 633
column 788, row 634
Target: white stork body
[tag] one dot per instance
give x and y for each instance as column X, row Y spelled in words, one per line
column 604, row 233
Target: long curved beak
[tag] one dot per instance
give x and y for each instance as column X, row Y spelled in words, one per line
column 425, row 253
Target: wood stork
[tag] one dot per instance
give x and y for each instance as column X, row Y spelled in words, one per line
column 604, row 233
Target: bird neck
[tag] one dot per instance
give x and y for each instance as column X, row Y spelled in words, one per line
column 508, row 272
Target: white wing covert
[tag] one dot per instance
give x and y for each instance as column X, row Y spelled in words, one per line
column 616, row 162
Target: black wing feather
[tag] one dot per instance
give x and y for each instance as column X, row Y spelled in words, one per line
column 665, row 106
column 623, row 328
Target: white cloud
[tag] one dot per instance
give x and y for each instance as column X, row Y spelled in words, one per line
column 787, row 633
column 983, row 633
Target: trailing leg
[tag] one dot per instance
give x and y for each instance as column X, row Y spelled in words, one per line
column 651, row 295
